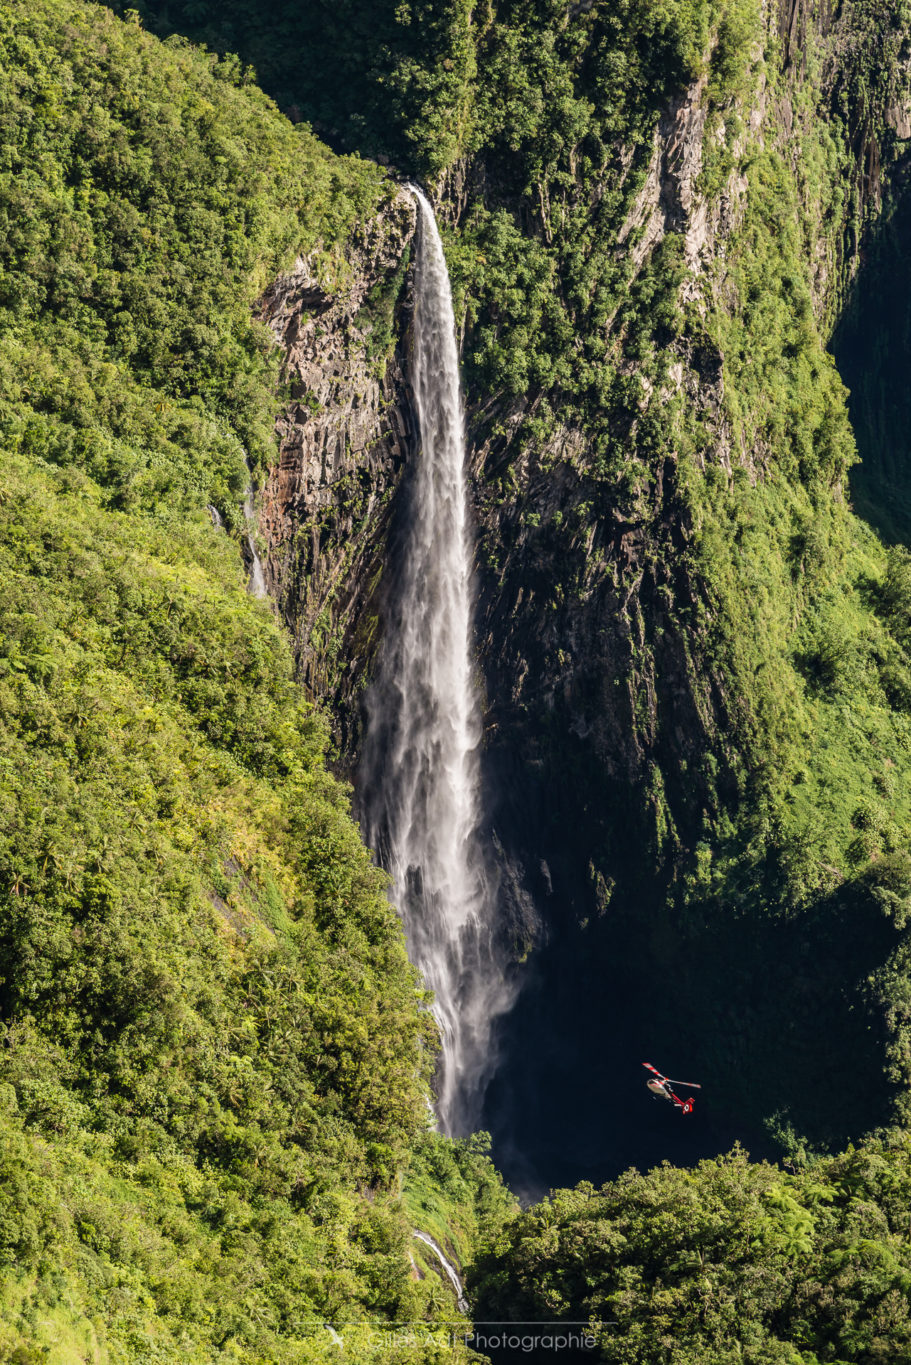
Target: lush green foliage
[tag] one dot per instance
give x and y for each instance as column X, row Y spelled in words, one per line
column 559, row 103
column 798, row 629
column 214, row 1052
column 537, row 122
column 795, row 806
column 453, row 1192
column 733, row 1260
column 709, row 379
column 143, row 211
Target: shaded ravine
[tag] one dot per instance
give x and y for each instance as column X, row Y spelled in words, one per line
column 419, row 774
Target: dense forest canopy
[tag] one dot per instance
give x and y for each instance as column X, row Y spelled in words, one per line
column 734, row 1260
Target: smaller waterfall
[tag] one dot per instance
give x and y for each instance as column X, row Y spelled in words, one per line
column 256, row 584
column 420, row 776
column 449, row 1269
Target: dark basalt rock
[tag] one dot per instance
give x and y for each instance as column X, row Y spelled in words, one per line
column 343, row 439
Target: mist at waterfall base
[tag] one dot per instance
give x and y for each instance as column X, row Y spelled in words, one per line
column 419, row 773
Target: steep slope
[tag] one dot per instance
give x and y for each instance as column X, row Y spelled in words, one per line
column 697, row 741
column 215, row 1054
column 697, row 663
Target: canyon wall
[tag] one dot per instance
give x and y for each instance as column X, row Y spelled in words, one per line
column 657, row 555
column 343, row 441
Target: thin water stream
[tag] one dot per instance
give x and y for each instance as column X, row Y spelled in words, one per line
column 257, row 580
column 449, row 1269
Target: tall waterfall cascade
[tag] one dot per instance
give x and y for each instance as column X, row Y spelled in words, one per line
column 420, row 775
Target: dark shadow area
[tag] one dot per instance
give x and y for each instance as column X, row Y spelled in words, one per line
column 329, row 63
column 772, row 1016
column 569, row 1101
column 872, row 349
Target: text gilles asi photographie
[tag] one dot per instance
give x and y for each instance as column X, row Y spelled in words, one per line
column 508, row 1337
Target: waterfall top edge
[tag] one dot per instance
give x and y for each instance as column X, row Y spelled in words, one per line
column 419, row 194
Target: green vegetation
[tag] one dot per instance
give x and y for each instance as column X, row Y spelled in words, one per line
column 453, row 1192
column 213, row 1133
column 733, row 1260
column 795, row 626
column 214, row 1052
column 557, row 102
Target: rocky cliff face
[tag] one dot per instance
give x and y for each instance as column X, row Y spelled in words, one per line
column 583, row 590
column 600, row 705
column 552, row 661
column 586, row 599
column 343, row 439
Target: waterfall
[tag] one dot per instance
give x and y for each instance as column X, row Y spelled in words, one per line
column 420, row 775
column 449, row 1269
column 256, row 584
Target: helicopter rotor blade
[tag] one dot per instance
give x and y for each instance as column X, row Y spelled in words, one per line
column 690, row 1085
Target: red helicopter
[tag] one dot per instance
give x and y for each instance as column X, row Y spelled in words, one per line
column 662, row 1087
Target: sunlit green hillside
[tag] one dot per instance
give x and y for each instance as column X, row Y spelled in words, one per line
column 214, row 1052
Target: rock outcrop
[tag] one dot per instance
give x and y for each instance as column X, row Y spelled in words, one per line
column 343, row 439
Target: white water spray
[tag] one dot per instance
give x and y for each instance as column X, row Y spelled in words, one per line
column 420, row 774
column 256, row 584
